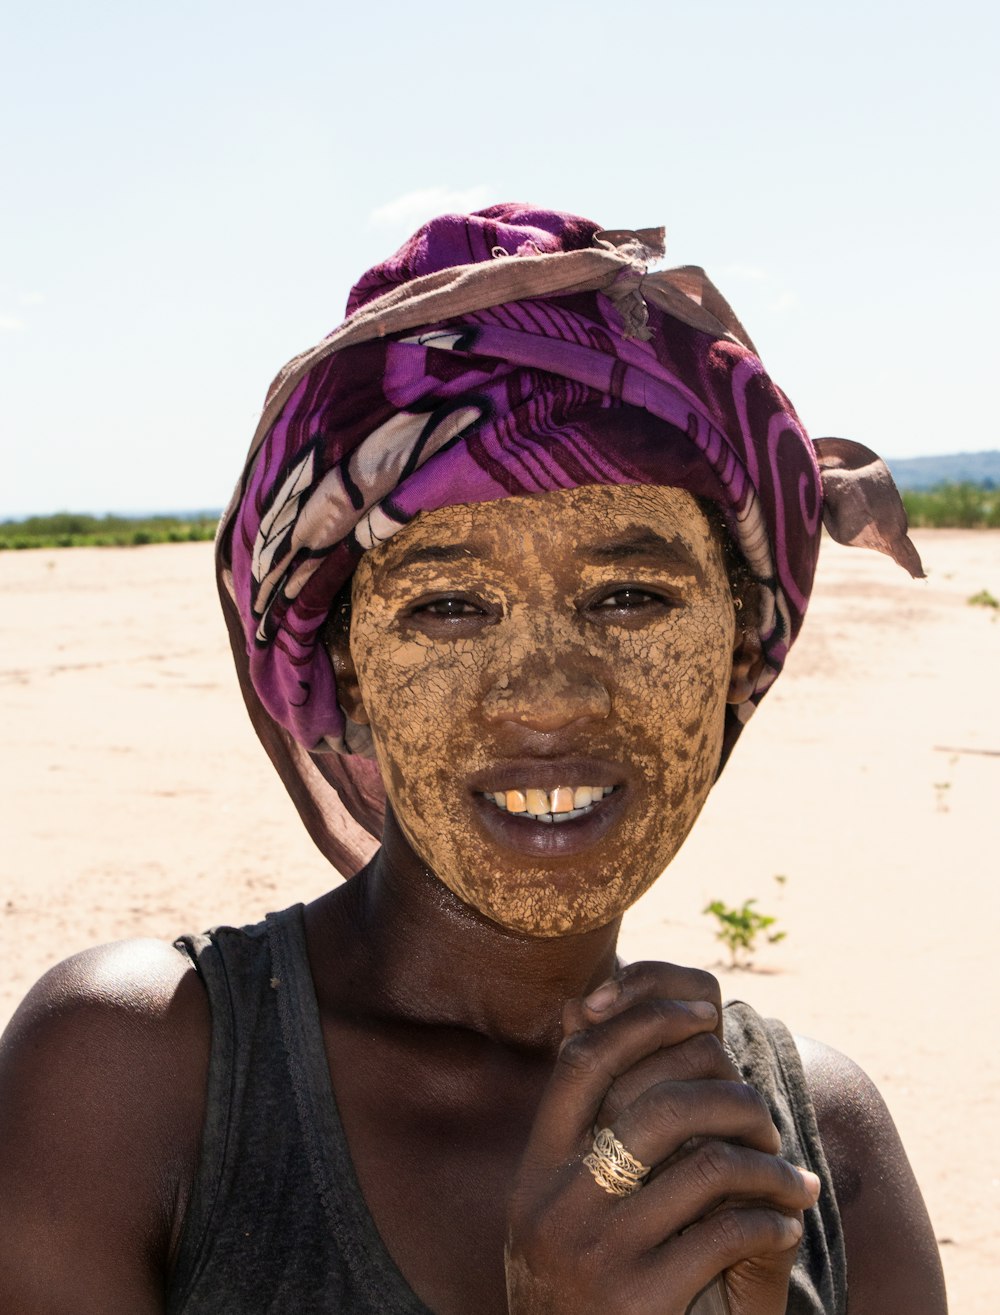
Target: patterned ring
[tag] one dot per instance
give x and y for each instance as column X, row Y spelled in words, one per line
column 612, row 1167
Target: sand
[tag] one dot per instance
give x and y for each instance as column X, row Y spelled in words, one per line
column 138, row 802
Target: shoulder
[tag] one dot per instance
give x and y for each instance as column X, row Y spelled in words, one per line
column 892, row 1254
column 102, row 1089
column 110, row 1010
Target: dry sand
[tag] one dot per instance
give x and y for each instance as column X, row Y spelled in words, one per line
column 138, row 802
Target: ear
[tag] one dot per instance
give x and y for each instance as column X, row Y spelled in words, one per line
column 348, row 689
column 748, row 663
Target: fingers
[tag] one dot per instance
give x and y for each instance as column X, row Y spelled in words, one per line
column 691, row 1134
column 590, row 1061
column 662, row 1119
column 642, row 981
column 766, row 1238
column 702, row 1056
column 712, row 1175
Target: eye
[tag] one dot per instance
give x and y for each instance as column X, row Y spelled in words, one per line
column 451, row 614
column 447, row 608
column 631, row 598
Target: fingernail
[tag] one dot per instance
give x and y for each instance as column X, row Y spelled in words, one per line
column 793, row 1228
column 703, row 1009
column 811, row 1181
column 603, row 997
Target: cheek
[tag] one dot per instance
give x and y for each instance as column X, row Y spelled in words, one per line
column 416, row 699
column 671, row 698
column 672, row 682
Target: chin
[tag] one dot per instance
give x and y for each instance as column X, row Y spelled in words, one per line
column 543, row 909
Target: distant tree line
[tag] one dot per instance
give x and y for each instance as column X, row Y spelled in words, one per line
column 68, row 529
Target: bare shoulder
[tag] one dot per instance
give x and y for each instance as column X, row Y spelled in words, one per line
column 892, row 1255
column 102, row 1090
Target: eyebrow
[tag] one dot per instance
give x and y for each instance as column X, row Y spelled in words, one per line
column 435, row 552
column 641, row 542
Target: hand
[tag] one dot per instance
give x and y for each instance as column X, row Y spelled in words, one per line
column 644, row 1056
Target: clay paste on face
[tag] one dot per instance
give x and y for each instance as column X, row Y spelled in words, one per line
column 540, row 654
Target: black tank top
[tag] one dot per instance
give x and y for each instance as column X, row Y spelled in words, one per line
column 277, row 1224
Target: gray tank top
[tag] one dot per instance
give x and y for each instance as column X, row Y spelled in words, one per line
column 277, row 1224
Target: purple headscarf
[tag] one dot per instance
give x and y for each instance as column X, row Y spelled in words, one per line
column 511, row 351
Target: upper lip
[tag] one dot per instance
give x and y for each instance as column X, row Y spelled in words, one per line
column 547, row 774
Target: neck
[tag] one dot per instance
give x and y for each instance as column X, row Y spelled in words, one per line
column 405, row 947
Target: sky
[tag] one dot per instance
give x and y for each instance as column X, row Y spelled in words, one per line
column 188, row 191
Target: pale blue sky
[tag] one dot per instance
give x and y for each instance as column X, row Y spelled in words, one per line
column 190, row 189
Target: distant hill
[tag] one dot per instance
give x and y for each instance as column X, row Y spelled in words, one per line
column 959, row 468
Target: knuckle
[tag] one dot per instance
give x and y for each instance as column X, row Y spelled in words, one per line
column 671, row 980
column 668, row 1109
column 736, row 1232
column 701, row 1056
column 705, row 984
column 645, row 972
column 712, row 1165
column 747, row 1232
column 579, row 1055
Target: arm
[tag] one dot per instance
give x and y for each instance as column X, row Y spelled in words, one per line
column 102, row 1077
column 892, row 1256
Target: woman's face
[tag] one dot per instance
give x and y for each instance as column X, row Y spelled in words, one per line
column 546, row 679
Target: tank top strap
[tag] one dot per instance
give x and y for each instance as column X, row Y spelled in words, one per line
column 359, row 1242
column 769, row 1060
column 276, row 1223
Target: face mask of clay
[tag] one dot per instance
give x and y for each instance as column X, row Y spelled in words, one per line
column 545, row 679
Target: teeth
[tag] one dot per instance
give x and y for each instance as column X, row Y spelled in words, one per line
column 538, row 802
column 562, row 800
column 559, row 805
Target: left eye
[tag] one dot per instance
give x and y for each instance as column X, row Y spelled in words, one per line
column 627, row 600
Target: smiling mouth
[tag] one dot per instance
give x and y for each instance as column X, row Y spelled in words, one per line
column 563, row 804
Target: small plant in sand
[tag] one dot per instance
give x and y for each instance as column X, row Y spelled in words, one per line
column 984, row 599
column 739, row 929
column 941, row 789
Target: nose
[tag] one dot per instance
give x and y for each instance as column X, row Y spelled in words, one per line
column 547, row 685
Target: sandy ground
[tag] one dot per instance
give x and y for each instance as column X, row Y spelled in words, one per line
column 138, row 802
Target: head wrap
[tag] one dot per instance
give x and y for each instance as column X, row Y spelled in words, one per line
column 511, row 351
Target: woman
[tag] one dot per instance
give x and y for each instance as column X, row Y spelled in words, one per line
column 516, row 552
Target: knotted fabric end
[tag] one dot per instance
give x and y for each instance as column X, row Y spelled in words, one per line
column 861, row 504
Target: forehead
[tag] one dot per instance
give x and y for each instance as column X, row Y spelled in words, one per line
column 599, row 523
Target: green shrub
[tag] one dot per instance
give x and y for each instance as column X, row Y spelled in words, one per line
column 953, row 506
column 739, row 929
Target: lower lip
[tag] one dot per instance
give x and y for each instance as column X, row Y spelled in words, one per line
column 549, row 840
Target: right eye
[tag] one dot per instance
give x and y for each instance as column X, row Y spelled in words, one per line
column 448, row 608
